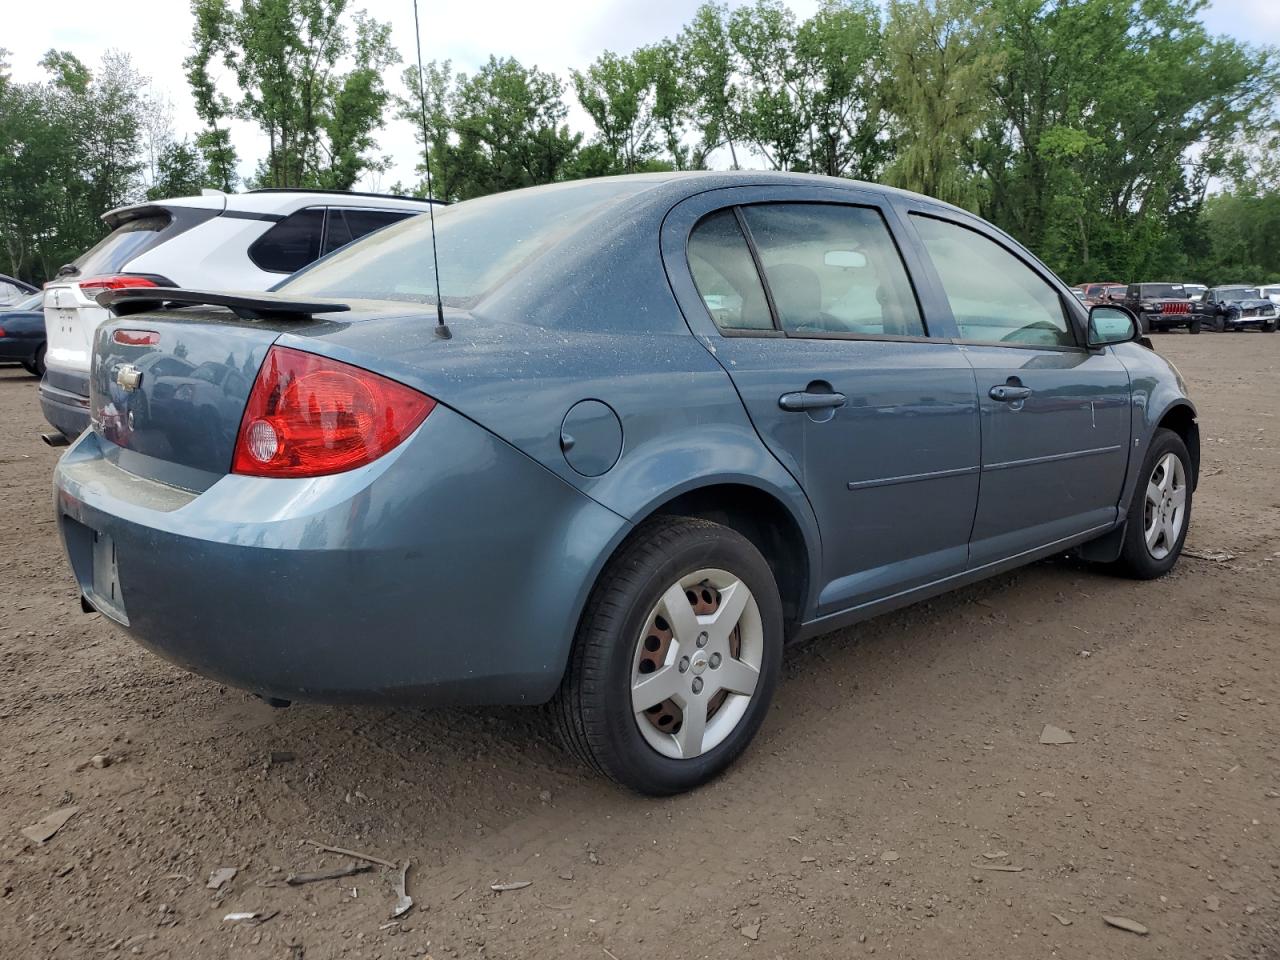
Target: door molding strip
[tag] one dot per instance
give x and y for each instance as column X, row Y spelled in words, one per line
column 911, row 478
column 1051, row 458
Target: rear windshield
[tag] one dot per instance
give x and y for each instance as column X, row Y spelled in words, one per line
column 1158, row 290
column 478, row 242
column 121, row 245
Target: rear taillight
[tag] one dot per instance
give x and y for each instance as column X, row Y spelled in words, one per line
column 309, row 416
column 136, row 338
column 93, row 286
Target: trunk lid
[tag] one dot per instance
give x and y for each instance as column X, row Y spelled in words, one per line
column 168, row 389
column 169, row 386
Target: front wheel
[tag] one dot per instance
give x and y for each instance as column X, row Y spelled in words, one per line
column 1219, row 323
column 676, row 659
column 1269, row 327
column 1160, row 512
column 1194, row 326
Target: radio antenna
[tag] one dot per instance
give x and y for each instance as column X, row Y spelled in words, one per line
column 442, row 328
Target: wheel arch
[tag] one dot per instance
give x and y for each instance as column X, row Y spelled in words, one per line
column 788, row 542
column 768, row 523
column 1180, row 417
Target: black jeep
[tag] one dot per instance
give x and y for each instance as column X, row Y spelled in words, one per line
column 1161, row 306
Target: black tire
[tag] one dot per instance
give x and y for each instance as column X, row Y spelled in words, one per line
column 1194, row 326
column 1135, row 559
column 1269, row 327
column 592, row 709
column 1144, row 326
column 1219, row 323
column 37, row 364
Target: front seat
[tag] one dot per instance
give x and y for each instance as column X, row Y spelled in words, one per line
column 797, row 293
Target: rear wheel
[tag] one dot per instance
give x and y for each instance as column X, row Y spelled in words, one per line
column 36, row 366
column 1160, row 512
column 676, row 658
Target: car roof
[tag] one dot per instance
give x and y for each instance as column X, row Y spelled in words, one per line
column 18, row 283
column 270, row 202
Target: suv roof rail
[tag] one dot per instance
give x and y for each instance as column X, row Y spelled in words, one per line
column 344, row 193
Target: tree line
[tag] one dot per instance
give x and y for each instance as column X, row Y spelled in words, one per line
column 1118, row 139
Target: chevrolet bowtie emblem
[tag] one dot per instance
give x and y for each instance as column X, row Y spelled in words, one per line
column 128, row 376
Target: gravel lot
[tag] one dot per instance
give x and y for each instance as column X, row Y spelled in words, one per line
column 898, row 801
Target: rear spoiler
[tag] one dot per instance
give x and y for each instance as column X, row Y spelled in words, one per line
column 247, row 306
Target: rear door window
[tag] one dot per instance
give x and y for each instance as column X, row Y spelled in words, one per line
column 994, row 296
column 292, row 243
column 726, row 276
column 833, row 269
column 345, row 226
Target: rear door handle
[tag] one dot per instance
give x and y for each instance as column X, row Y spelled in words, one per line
column 1005, row 393
column 811, row 401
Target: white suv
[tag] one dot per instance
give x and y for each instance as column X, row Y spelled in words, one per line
column 217, row 241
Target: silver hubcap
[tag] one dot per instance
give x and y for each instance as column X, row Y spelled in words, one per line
column 697, row 664
column 1166, row 506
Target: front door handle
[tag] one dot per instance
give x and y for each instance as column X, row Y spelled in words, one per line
column 1006, row 393
column 811, row 401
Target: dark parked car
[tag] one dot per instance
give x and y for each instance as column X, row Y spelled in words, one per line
column 673, row 422
column 22, row 338
column 14, row 291
column 1161, row 306
column 1236, row 308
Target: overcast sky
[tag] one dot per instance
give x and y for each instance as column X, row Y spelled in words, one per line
column 553, row 36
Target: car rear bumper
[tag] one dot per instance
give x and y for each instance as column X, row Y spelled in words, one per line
column 452, row 570
column 64, row 400
column 17, row 350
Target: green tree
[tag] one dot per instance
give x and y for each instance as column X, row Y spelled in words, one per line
column 286, row 57
column 214, row 108
column 841, row 49
column 70, row 149
column 707, row 62
column 180, row 171
column 803, row 95
column 940, row 63
column 641, row 108
column 499, row 129
column 1109, row 117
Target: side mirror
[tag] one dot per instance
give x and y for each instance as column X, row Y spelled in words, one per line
column 1111, row 324
column 848, row 259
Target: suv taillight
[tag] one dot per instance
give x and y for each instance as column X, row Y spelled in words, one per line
column 309, row 416
column 92, row 286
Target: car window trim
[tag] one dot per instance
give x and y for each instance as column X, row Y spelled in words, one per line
column 1067, row 316
column 759, row 265
column 777, row 332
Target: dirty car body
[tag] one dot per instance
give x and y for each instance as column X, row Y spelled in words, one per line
column 880, row 440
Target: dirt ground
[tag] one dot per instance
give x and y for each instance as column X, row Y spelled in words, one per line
column 897, row 803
